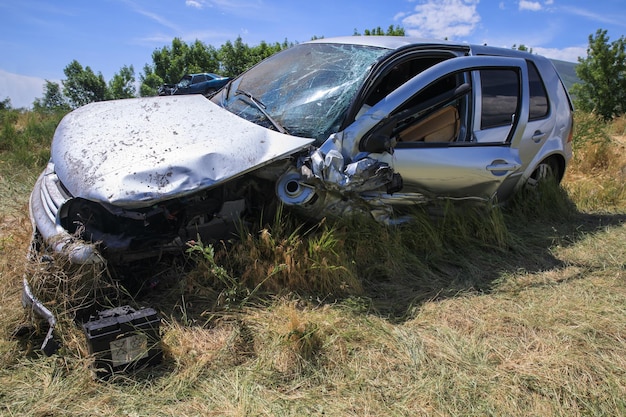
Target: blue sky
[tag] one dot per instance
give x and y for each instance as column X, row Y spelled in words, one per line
column 38, row 38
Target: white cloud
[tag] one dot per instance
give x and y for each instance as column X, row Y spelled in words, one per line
column 441, row 19
column 21, row 89
column 529, row 5
column 569, row 54
column 195, row 4
column 399, row 16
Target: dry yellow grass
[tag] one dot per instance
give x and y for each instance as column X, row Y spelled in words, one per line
column 529, row 322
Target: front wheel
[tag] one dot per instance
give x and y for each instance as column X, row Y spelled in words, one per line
column 209, row 92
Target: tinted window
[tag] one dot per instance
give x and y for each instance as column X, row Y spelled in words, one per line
column 500, row 93
column 538, row 95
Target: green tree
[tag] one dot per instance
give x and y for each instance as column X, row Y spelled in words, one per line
column 378, row 31
column 522, row 47
column 201, row 58
column 603, row 73
column 170, row 63
column 82, row 85
column 122, row 85
column 264, row 50
column 53, row 99
column 150, row 82
column 235, row 57
column 5, row 104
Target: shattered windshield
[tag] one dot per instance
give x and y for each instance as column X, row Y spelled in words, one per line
column 185, row 81
column 307, row 89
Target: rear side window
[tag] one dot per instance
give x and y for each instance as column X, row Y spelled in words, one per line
column 538, row 96
column 500, row 94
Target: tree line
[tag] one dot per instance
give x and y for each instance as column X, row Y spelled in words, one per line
column 169, row 63
column 603, row 72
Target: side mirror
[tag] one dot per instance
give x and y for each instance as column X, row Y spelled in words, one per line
column 378, row 142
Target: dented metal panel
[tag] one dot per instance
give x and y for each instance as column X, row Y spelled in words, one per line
column 136, row 152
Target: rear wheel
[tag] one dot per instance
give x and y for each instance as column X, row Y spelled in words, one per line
column 546, row 172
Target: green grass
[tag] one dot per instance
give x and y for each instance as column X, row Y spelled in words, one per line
column 469, row 311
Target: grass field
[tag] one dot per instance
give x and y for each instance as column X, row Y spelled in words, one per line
column 507, row 312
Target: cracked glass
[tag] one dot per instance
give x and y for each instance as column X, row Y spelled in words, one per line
column 307, row 89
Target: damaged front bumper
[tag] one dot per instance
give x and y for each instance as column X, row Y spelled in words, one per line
column 46, row 200
column 320, row 182
column 29, row 301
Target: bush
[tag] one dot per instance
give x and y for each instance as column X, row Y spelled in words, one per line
column 25, row 137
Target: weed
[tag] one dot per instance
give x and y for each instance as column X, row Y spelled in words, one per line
column 232, row 291
column 25, row 137
column 303, row 337
column 514, row 310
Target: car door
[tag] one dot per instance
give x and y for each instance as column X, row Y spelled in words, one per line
column 197, row 84
column 440, row 151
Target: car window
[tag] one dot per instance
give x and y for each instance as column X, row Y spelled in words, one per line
column 399, row 74
column 437, row 114
column 500, row 94
column 185, row 81
column 538, row 96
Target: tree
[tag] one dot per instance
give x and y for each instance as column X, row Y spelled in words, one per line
column 235, row 58
column 83, row 86
column 53, row 99
column 150, row 82
column 202, row 58
column 170, row 63
column 603, row 73
column 264, row 50
column 522, row 47
column 122, row 85
column 5, row 104
column 378, row 31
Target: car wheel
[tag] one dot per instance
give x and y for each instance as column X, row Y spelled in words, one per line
column 545, row 172
column 209, row 92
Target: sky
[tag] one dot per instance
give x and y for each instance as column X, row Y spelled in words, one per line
column 39, row 38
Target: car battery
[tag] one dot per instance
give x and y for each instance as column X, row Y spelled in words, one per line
column 123, row 339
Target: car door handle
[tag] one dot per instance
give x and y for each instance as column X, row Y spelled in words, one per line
column 538, row 136
column 502, row 167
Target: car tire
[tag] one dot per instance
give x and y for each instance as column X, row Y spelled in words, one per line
column 208, row 92
column 546, row 170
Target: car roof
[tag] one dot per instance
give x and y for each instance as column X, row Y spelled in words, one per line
column 397, row 42
column 389, row 42
column 204, row 73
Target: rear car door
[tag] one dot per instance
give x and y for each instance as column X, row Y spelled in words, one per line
column 455, row 125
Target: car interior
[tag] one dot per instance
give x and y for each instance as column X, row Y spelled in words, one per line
column 434, row 115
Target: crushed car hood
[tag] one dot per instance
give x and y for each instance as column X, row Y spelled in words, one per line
column 137, row 152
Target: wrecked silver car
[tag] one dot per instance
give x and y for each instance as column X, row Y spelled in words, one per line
column 328, row 127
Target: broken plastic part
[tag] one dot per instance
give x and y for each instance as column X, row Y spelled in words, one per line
column 49, row 345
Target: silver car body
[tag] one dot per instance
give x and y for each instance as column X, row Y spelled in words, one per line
column 130, row 159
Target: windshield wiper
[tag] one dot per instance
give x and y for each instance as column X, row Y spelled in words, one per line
column 261, row 108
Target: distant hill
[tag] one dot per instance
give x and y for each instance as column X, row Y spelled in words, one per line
column 567, row 72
